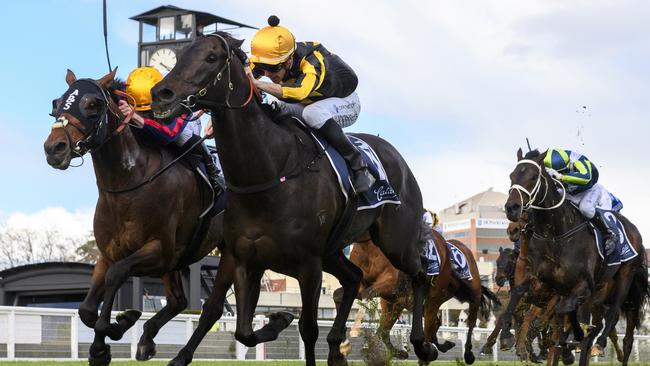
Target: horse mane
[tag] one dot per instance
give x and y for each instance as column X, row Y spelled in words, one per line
column 117, row 84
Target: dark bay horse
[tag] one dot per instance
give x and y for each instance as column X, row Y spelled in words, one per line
column 381, row 279
column 284, row 204
column 564, row 257
column 140, row 229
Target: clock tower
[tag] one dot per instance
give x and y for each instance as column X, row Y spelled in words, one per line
column 166, row 30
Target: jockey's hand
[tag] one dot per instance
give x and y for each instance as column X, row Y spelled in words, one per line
column 554, row 173
column 208, row 129
column 124, row 107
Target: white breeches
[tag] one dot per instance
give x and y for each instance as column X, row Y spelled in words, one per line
column 595, row 197
column 343, row 111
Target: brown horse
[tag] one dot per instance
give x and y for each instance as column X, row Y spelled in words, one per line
column 141, row 229
column 564, row 257
column 381, row 279
column 285, row 205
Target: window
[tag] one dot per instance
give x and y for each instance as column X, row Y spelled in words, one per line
column 166, row 28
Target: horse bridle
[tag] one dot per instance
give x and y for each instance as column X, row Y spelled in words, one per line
column 532, row 195
column 197, row 98
column 91, row 140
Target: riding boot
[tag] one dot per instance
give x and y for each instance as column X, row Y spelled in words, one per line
column 609, row 233
column 201, row 151
column 362, row 180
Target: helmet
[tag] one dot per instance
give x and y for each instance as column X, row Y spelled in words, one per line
column 273, row 44
column 139, row 84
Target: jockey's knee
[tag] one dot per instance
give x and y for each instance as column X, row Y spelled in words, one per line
column 315, row 116
column 587, row 210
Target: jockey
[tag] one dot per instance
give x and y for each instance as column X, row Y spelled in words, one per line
column 314, row 85
column 580, row 177
column 181, row 131
column 432, row 220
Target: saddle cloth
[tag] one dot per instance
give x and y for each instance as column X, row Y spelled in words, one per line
column 380, row 193
column 624, row 250
column 459, row 263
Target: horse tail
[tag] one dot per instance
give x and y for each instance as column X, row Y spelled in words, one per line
column 488, row 300
column 638, row 295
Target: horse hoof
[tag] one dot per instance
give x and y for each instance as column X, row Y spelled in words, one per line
column 100, row 357
column 597, row 351
column 469, row 358
column 345, row 348
column 485, row 350
column 400, row 354
column 428, row 353
column 507, row 342
column 88, row 317
column 146, row 351
column 446, row 346
column 176, row 362
column 337, row 360
column 567, row 357
column 280, row 320
column 129, row 316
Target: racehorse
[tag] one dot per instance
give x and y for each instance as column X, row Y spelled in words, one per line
column 564, row 257
column 141, row 228
column 285, row 204
column 381, row 279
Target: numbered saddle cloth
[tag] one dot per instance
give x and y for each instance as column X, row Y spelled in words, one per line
column 380, row 193
column 624, row 250
column 459, row 263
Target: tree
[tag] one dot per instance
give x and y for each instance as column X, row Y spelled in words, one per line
column 88, row 252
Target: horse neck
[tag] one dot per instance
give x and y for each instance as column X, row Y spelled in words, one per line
column 555, row 222
column 120, row 161
column 252, row 148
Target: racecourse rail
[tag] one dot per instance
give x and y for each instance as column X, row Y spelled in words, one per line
column 28, row 333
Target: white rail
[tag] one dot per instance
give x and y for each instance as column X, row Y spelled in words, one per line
column 46, row 333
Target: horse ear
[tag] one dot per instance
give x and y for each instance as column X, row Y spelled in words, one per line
column 107, row 80
column 70, row 77
column 236, row 42
column 500, row 249
column 520, row 154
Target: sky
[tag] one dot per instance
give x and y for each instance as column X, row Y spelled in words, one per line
column 455, row 85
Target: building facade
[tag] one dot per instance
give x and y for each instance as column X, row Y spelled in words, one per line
column 479, row 222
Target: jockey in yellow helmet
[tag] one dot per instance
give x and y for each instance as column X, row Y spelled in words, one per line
column 182, row 131
column 312, row 84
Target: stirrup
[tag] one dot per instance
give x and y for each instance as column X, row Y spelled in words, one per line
column 363, row 181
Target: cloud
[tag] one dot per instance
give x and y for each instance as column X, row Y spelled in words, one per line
column 75, row 225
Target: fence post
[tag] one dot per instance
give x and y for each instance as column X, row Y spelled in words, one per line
column 260, row 349
column 301, row 346
column 495, row 351
column 635, row 346
column 134, row 340
column 74, row 336
column 11, row 337
column 189, row 328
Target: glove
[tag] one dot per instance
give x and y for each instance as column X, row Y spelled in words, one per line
column 554, row 173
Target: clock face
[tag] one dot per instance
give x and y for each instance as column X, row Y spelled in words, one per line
column 163, row 59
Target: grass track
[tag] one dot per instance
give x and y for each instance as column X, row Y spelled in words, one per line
column 268, row 363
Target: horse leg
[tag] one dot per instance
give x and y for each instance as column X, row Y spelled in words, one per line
column 507, row 339
column 523, row 333
column 390, row 312
column 397, row 241
column 471, row 322
column 613, row 312
column 88, row 307
column 437, row 295
column 349, row 277
column 176, row 302
column 628, row 341
column 148, row 256
column 310, row 282
column 554, row 353
column 617, row 348
column 212, row 309
column 492, row 338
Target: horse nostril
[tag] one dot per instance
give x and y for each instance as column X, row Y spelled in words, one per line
column 59, row 147
column 165, row 94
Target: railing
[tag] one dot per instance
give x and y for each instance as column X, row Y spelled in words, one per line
column 44, row 333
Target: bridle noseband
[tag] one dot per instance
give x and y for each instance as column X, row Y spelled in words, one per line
column 532, row 195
